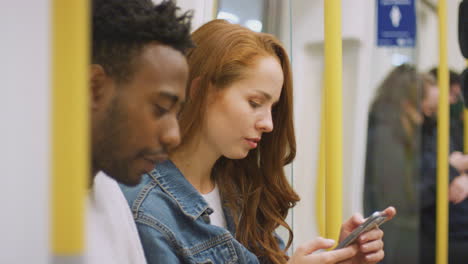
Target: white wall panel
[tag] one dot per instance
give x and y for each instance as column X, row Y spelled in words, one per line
column 24, row 130
column 203, row 10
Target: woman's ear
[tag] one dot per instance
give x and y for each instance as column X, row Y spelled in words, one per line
column 194, row 87
column 98, row 84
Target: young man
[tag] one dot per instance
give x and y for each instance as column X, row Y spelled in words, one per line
column 138, row 77
column 458, row 177
column 456, row 108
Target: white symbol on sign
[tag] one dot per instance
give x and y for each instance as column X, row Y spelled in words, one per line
column 395, row 16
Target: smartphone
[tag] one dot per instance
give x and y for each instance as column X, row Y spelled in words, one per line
column 373, row 221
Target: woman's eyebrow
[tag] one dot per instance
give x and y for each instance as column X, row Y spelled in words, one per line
column 265, row 94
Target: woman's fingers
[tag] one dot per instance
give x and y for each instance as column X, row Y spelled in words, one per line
column 333, row 256
column 372, row 246
column 338, row 255
column 390, row 212
column 350, row 224
column 314, row 245
column 374, row 234
column 307, row 253
column 353, row 222
column 375, row 257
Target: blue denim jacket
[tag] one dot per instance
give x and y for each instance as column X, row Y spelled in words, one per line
column 174, row 224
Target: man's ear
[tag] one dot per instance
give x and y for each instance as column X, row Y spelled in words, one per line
column 99, row 85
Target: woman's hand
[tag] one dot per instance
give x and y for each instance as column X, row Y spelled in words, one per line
column 370, row 244
column 304, row 254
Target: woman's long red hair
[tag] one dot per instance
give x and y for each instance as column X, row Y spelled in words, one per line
column 255, row 189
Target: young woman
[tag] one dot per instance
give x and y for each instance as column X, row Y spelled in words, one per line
column 223, row 193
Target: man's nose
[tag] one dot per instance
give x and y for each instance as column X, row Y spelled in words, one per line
column 171, row 135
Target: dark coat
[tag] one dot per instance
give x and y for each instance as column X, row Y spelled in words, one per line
column 391, row 177
column 458, row 214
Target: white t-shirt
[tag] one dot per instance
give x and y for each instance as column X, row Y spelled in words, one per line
column 112, row 237
column 214, row 201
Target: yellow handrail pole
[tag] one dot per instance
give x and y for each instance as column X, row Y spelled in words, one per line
column 320, row 183
column 70, row 128
column 442, row 140
column 214, row 11
column 334, row 126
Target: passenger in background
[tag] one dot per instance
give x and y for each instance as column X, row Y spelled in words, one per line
column 138, row 75
column 456, row 109
column 391, row 172
column 458, row 188
column 223, row 193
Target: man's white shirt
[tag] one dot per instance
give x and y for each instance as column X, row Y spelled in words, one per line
column 112, row 237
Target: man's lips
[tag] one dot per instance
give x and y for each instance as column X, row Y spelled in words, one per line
column 156, row 158
column 152, row 161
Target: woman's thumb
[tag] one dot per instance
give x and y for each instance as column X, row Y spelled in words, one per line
column 313, row 245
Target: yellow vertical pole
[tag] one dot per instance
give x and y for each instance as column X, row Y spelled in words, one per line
column 70, row 129
column 320, row 183
column 334, row 126
column 214, row 11
column 442, row 141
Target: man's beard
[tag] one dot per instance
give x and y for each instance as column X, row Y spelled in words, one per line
column 107, row 152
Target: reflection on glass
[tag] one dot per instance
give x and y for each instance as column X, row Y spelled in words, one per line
column 228, row 16
column 254, row 25
column 399, row 59
column 258, row 15
column 242, row 10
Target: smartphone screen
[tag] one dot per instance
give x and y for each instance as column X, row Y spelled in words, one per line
column 373, row 221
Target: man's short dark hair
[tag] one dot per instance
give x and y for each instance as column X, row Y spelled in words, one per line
column 121, row 28
column 454, row 78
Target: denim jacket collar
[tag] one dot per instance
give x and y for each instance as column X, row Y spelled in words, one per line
column 173, row 182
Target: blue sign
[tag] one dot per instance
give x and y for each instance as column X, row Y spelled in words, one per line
column 396, row 23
